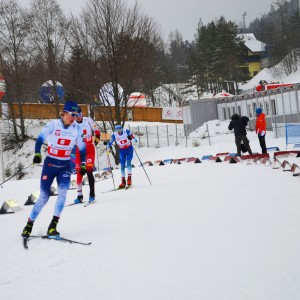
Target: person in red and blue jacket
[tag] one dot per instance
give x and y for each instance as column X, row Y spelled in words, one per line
column 61, row 135
column 260, row 128
column 123, row 138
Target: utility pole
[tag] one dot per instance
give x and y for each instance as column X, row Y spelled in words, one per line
column 244, row 17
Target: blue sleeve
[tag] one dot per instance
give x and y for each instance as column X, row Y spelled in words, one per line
column 43, row 135
column 129, row 134
column 38, row 143
column 112, row 139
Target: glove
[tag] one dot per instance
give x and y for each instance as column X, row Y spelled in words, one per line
column 129, row 137
column 262, row 133
column 82, row 170
column 37, row 158
column 135, row 140
column 97, row 140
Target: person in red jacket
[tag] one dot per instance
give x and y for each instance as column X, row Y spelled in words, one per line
column 260, row 129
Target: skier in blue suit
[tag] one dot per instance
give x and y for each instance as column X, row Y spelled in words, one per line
column 123, row 138
column 61, row 135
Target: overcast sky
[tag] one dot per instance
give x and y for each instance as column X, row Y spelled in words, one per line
column 184, row 15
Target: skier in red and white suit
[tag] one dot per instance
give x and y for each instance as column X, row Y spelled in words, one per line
column 88, row 127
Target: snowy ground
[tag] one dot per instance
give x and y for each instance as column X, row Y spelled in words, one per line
column 200, row 231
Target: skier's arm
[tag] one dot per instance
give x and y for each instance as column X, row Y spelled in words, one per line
column 112, row 140
column 43, row 135
column 94, row 127
column 130, row 136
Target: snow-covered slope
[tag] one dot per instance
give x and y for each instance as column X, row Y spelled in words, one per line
column 200, row 231
column 283, row 72
column 279, row 73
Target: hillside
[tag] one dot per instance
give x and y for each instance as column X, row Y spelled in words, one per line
column 283, row 72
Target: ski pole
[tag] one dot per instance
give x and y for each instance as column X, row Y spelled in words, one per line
column 142, row 166
column 109, row 166
column 97, row 159
column 15, row 174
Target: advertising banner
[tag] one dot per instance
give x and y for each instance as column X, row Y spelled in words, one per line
column 172, row 113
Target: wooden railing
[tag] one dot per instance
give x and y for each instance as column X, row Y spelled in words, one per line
column 48, row 111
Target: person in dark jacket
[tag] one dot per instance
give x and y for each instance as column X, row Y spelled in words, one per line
column 238, row 124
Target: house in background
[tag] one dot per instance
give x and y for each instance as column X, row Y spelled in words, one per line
column 254, row 50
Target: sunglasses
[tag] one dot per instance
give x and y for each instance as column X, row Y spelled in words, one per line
column 72, row 114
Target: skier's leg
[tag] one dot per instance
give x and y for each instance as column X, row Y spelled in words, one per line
column 122, row 162
column 47, row 177
column 90, row 162
column 63, row 181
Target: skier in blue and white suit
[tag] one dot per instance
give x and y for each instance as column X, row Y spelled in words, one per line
column 123, row 138
column 61, row 135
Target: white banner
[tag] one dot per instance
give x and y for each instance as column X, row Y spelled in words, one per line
column 172, row 113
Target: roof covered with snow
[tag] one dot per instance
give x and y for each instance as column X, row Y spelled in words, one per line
column 252, row 43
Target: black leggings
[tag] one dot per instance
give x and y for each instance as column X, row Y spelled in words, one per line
column 262, row 143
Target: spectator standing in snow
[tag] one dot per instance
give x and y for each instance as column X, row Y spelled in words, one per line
column 88, row 128
column 123, row 138
column 238, row 124
column 61, row 135
column 260, row 129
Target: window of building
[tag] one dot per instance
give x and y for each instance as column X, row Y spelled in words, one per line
column 273, row 107
column 224, row 113
column 239, row 110
column 267, row 109
column 250, row 111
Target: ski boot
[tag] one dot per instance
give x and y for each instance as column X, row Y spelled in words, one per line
column 78, row 200
column 27, row 229
column 92, row 198
column 52, row 232
column 129, row 181
column 123, row 183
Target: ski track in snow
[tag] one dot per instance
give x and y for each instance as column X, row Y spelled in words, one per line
column 201, row 231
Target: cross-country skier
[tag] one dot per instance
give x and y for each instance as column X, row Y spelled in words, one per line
column 123, row 138
column 88, row 127
column 61, row 135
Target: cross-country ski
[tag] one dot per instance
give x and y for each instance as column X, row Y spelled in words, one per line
column 55, row 238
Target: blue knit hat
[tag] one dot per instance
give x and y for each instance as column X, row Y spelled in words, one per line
column 71, row 106
column 258, row 111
